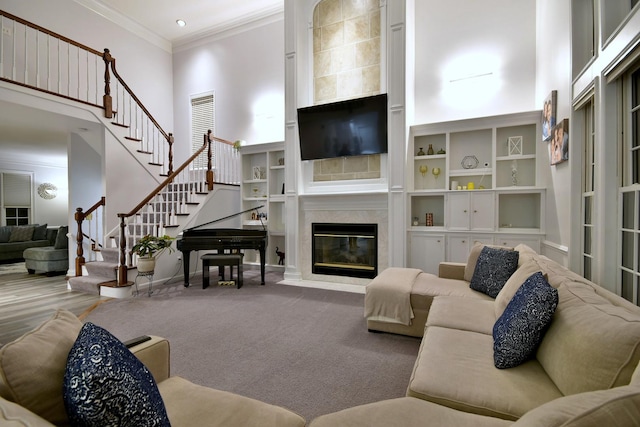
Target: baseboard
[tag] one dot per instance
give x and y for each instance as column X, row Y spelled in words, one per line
column 343, row 287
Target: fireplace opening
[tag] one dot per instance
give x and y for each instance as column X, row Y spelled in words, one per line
column 345, row 249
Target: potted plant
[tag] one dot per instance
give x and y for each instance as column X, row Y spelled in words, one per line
column 148, row 248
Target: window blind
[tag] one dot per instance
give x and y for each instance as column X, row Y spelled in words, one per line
column 202, row 119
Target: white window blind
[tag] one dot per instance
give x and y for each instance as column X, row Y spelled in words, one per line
column 202, row 119
column 16, row 190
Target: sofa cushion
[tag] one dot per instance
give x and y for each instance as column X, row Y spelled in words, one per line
column 513, row 284
column 472, row 259
column 105, row 383
column 5, row 233
column 32, row 367
column 493, row 269
column 189, row 404
column 455, row 368
column 40, row 232
column 62, row 241
column 405, row 412
column 22, row 233
column 591, row 344
column 519, row 331
column 468, row 314
column 14, row 415
column 616, row 407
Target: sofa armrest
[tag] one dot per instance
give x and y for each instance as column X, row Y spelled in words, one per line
column 155, row 354
column 451, row 270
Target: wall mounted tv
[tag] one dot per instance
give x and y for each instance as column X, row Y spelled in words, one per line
column 354, row 127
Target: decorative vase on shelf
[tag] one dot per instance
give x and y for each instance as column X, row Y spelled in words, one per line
column 420, row 152
column 430, row 150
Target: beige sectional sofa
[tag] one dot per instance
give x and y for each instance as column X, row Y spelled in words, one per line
column 582, row 373
column 32, row 370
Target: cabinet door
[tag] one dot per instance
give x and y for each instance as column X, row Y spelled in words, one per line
column 482, row 211
column 459, row 245
column 426, row 252
column 471, row 210
column 458, row 211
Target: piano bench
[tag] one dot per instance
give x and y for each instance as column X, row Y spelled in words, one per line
column 221, row 260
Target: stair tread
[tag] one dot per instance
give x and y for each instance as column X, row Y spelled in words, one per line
column 93, row 280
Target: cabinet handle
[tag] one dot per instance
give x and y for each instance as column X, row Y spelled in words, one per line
column 464, row 241
column 475, row 211
column 465, row 211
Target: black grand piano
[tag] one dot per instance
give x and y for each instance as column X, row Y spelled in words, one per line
column 220, row 239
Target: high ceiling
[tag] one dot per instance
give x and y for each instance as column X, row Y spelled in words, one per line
column 202, row 16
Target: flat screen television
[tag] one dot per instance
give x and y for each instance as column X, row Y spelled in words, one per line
column 355, row 127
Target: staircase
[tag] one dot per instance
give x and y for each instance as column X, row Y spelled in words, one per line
column 99, row 273
column 180, row 193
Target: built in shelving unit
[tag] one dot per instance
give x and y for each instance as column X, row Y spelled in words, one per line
column 262, row 189
column 482, row 183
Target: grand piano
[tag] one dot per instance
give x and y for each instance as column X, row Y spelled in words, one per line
column 220, row 239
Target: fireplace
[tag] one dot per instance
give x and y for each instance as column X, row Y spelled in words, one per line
column 345, row 249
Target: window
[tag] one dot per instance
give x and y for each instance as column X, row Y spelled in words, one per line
column 588, row 188
column 15, row 198
column 629, row 199
column 202, row 120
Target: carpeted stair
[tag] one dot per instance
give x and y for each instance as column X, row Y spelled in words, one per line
column 98, row 272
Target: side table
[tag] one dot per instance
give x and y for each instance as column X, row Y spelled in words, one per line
column 149, row 276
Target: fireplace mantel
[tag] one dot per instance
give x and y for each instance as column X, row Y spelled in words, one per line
column 374, row 201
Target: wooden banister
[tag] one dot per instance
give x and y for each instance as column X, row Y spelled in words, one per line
column 80, row 216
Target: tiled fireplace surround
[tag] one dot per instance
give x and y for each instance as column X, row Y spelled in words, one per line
column 342, row 208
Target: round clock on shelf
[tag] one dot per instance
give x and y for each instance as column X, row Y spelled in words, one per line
column 47, row 191
column 469, row 162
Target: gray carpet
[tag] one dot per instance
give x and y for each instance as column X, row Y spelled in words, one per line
column 305, row 349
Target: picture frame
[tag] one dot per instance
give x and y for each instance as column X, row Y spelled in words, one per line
column 559, row 146
column 549, row 114
column 515, row 145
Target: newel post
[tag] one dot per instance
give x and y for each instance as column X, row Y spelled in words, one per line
column 79, row 217
column 122, row 267
column 207, row 140
column 106, row 98
column 170, row 141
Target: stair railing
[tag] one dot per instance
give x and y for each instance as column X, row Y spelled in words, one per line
column 169, row 200
column 34, row 57
column 94, row 232
column 129, row 112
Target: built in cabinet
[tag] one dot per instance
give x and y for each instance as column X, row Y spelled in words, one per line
column 262, row 190
column 475, row 180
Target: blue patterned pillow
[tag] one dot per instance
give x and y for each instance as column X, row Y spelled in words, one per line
column 519, row 331
column 493, row 269
column 105, row 384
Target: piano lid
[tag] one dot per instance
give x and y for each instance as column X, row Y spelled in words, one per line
column 186, row 230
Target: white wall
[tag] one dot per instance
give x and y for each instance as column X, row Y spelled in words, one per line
column 52, row 211
column 457, row 39
column 553, row 71
column 246, row 72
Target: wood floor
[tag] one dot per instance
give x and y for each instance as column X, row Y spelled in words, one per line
column 28, row 300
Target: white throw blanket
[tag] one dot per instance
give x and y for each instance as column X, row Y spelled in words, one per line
column 388, row 296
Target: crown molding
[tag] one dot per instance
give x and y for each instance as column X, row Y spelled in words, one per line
column 127, row 23
column 230, row 28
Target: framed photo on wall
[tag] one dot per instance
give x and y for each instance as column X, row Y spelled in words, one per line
column 549, row 115
column 559, row 145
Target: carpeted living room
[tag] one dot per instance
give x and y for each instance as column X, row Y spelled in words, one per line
column 305, row 349
column 432, row 209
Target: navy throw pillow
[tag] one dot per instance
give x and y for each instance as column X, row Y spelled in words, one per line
column 519, row 331
column 493, row 269
column 107, row 385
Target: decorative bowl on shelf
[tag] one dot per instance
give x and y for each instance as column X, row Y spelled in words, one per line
column 469, row 162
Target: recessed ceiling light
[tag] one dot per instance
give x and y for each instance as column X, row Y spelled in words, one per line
column 181, row 23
